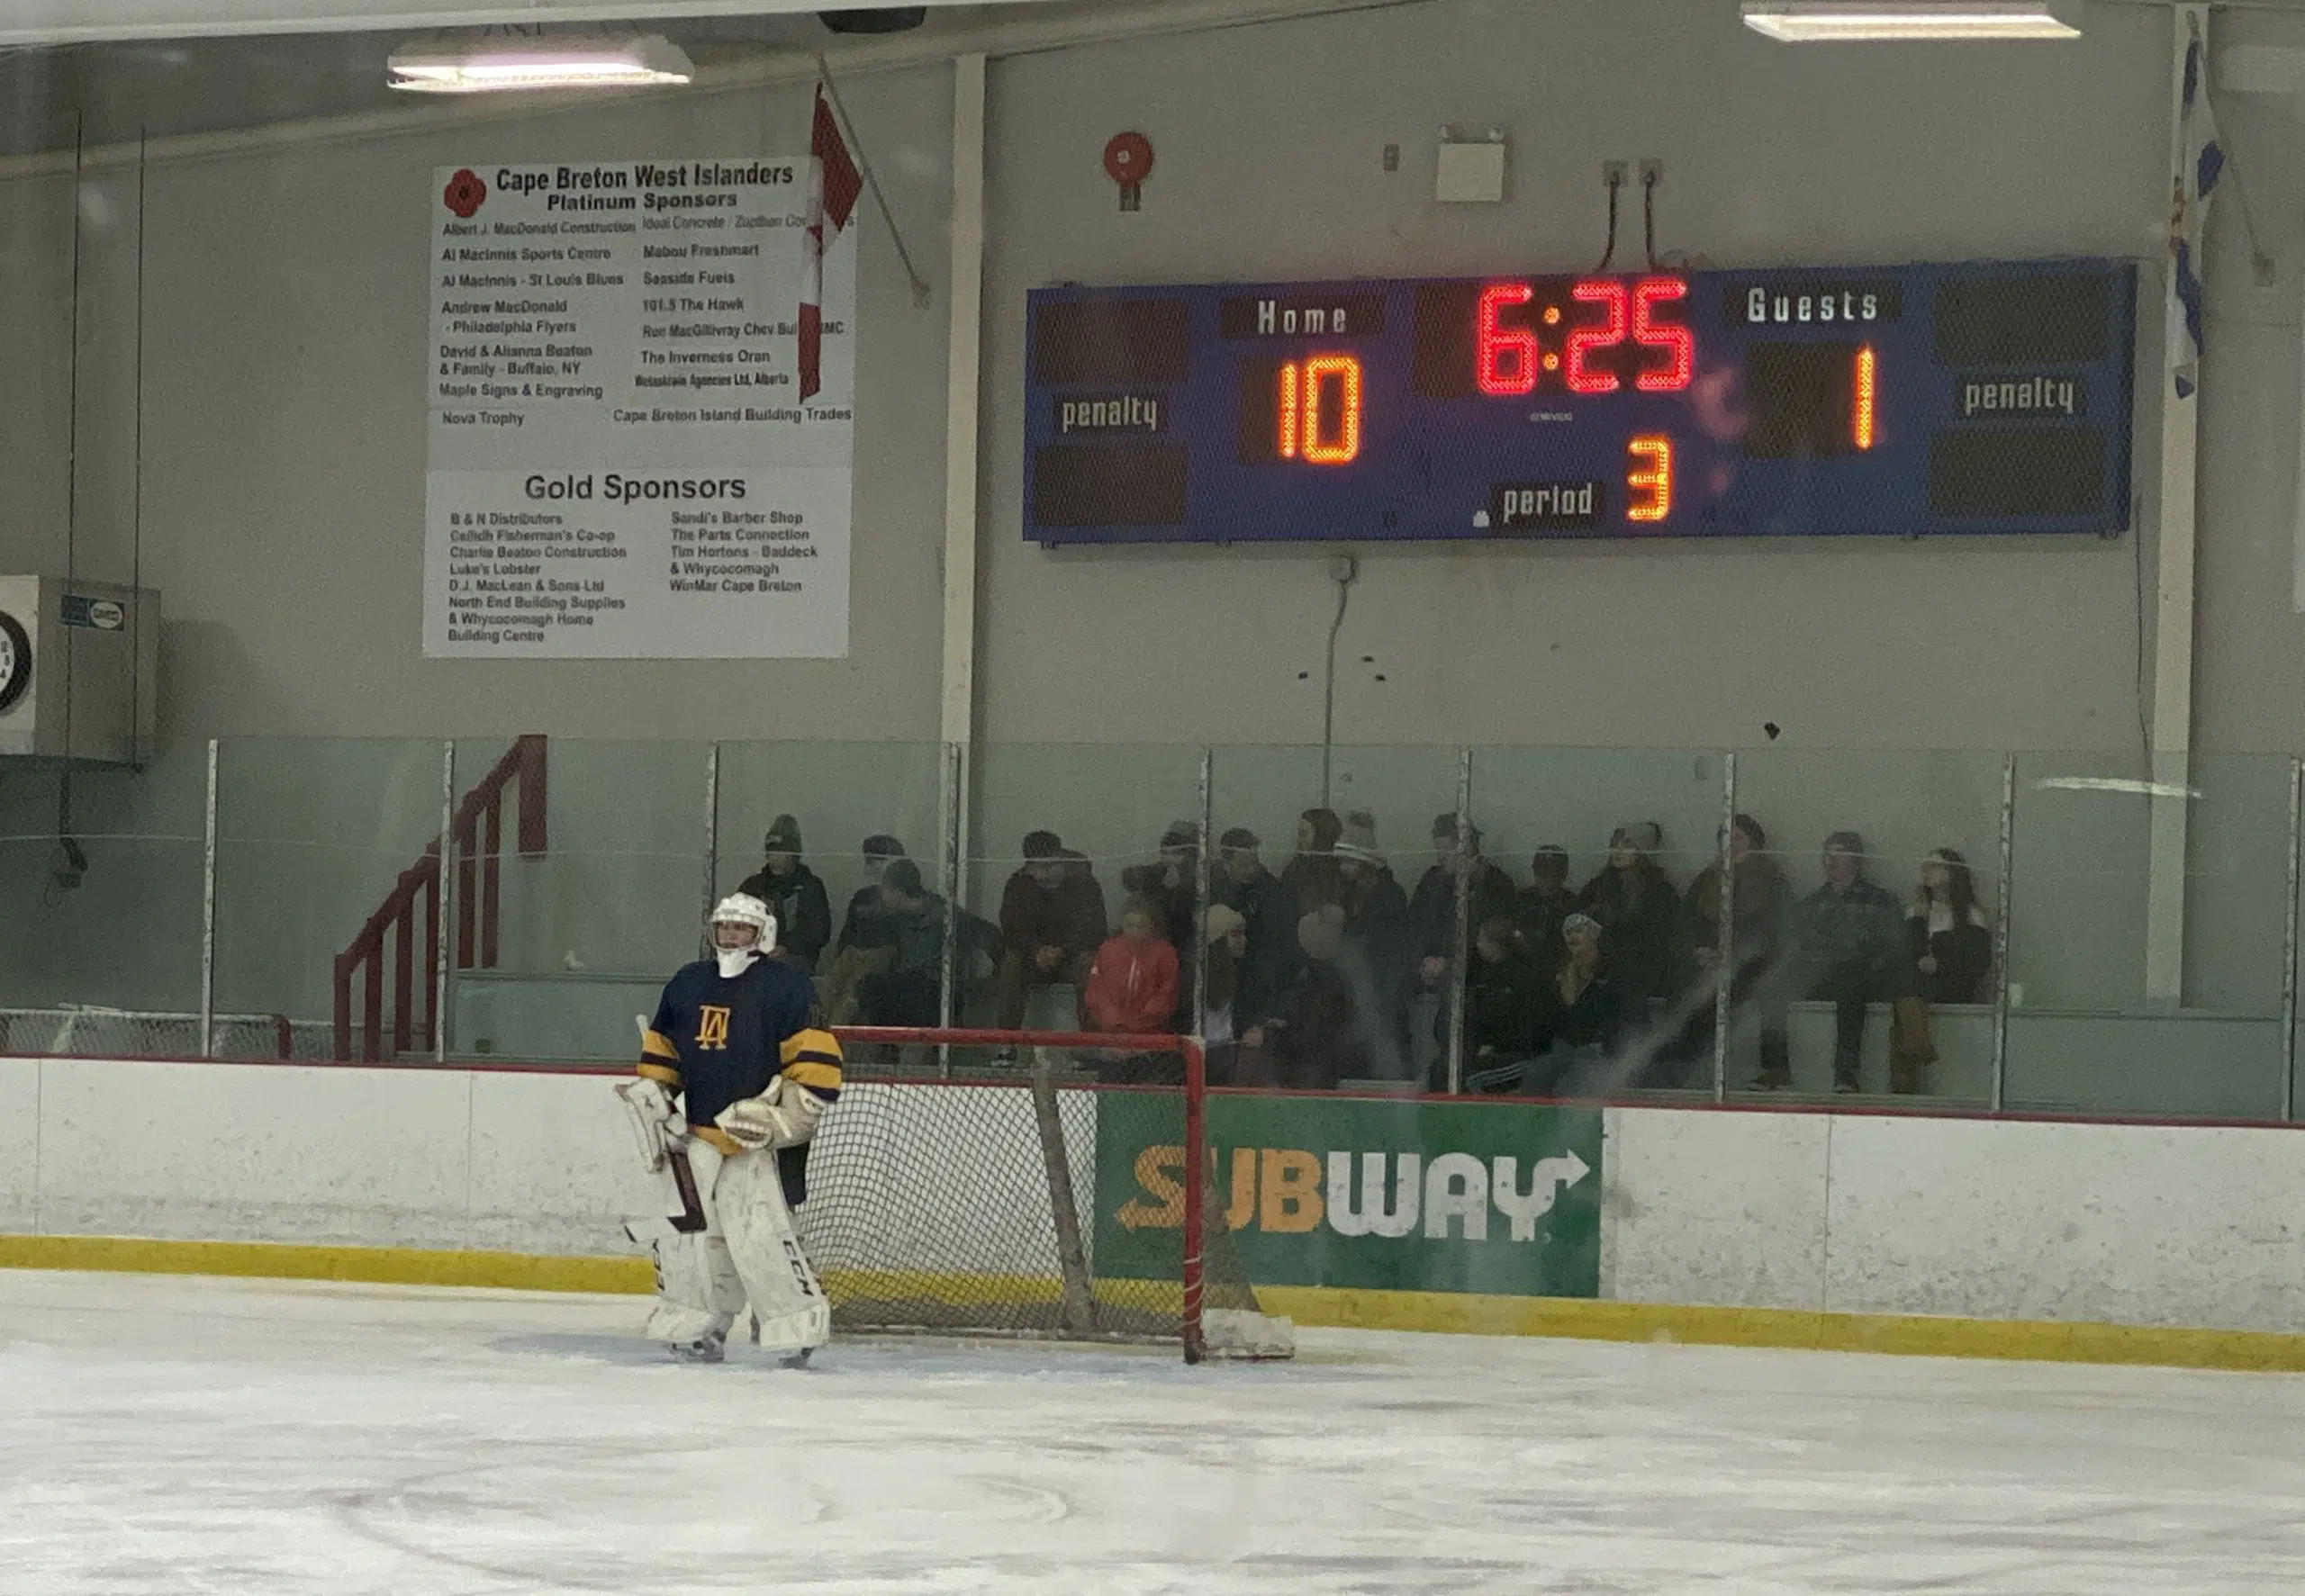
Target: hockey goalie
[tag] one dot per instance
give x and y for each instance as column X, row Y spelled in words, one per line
column 734, row 1078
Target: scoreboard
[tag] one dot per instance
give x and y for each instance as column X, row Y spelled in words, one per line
column 1990, row 397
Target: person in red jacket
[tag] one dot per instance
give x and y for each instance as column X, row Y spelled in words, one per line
column 1132, row 991
column 1133, row 984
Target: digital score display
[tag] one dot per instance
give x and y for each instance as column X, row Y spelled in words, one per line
column 1905, row 401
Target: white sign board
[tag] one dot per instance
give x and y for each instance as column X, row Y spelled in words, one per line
column 619, row 463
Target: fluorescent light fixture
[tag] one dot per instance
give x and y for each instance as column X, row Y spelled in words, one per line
column 489, row 64
column 1816, row 21
column 2118, row 784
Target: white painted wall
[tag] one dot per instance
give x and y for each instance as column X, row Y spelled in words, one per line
column 285, row 323
column 1268, row 143
column 2124, row 1224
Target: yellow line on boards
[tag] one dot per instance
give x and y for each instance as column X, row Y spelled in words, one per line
column 376, row 1265
column 1916, row 1335
column 1462, row 1313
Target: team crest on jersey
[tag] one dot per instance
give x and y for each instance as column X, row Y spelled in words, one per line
column 712, row 1026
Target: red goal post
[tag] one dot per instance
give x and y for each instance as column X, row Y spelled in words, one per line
column 945, row 1188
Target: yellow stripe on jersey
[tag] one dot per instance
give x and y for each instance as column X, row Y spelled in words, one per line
column 670, row 1076
column 655, row 1044
column 812, row 1058
column 715, row 1137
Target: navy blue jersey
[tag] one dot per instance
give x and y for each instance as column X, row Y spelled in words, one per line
column 718, row 1039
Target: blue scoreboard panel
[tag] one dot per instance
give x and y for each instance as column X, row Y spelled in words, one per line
column 1988, row 397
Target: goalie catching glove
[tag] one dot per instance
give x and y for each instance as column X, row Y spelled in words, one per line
column 784, row 1115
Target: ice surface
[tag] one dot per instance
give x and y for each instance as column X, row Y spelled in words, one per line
column 254, row 1438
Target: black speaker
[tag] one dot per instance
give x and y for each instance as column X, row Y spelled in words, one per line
column 882, row 19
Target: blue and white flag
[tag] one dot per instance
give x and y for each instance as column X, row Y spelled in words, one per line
column 2200, row 160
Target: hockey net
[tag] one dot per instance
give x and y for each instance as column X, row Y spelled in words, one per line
column 1027, row 1184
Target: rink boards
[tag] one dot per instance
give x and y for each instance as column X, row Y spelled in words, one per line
column 1718, row 1225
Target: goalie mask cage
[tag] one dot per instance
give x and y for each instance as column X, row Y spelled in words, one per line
column 957, row 1187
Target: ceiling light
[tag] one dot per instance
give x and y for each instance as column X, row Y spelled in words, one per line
column 538, row 61
column 1813, row 22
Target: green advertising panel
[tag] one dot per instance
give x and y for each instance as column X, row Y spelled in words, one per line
column 1466, row 1196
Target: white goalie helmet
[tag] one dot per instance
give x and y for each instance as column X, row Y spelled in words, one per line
column 732, row 917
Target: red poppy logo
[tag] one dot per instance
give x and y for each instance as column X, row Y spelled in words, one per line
column 465, row 193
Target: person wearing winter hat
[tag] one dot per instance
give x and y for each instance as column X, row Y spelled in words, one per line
column 867, row 944
column 1240, row 882
column 1052, row 919
column 793, row 892
column 1584, row 1020
column 1638, row 911
column 1544, row 902
column 1173, row 885
column 1853, row 944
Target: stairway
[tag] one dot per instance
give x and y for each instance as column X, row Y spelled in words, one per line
column 409, row 916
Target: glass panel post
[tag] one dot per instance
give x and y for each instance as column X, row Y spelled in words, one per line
column 711, row 832
column 2289, row 949
column 949, row 874
column 2001, row 934
column 1453, row 1001
column 208, row 912
column 442, row 964
column 1725, row 933
column 1202, row 882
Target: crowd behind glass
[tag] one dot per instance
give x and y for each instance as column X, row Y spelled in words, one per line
column 1328, row 969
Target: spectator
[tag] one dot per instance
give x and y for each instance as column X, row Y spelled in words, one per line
column 867, row 936
column 905, row 992
column 1052, row 919
column 1378, row 937
column 1639, row 913
column 1504, row 999
column 793, row 894
column 1225, row 1011
column 1760, row 911
column 1950, row 942
column 1433, row 912
column 1951, row 950
column 917, row 921
column 1854, row 949
column 1313, row 1037
column 865, row 924
column 1132, row 987
column 1584, row 1016
column 1544, row 902
column 1173, row 885
column 1242, row 883
column 1310, row 880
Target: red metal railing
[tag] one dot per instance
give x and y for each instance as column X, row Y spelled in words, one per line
column 410, row 912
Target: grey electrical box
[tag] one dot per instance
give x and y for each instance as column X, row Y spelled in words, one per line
column 79, row 670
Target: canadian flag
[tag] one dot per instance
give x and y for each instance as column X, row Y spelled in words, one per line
column 838, row 185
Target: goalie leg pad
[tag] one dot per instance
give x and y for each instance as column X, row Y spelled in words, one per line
column 788, row 1301
column 699, row 1292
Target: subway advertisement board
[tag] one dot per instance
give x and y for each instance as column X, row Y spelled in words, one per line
column 1499, row 1198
